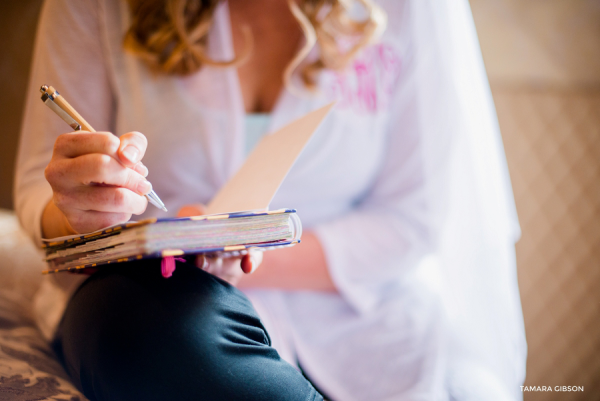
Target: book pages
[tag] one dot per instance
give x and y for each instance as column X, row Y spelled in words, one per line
column 254, row 185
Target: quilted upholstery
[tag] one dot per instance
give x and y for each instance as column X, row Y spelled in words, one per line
column 552, row 141
column 28, row 368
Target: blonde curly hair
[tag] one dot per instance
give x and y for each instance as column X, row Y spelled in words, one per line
column 171, row 35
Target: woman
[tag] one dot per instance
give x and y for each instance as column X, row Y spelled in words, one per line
column 404, row 275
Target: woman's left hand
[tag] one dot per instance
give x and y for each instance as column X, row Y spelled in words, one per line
column 230, row 269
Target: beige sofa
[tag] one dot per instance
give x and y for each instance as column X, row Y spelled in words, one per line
column 28, row 367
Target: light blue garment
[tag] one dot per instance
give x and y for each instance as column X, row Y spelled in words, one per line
column 257, row 125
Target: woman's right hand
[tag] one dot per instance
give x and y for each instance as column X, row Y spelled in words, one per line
column 97, row 180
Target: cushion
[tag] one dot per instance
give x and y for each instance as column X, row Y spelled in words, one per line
column 29, row 369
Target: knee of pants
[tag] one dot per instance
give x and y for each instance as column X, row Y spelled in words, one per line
column 130, row 331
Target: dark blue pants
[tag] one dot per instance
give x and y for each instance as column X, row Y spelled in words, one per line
column 130, row 334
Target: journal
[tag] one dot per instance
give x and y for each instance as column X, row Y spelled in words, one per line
column 238, row 218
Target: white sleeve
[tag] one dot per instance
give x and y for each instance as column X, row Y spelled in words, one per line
column 68, row 54
column 372, row 249
column 444, row 191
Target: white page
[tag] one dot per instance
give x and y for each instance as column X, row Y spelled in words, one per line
column 254, row 185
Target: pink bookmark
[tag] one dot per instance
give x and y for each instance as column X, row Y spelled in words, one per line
column 167, row 265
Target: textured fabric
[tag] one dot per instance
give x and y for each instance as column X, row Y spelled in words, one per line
column 553, row 148
column 28, row 367
column 20, row 261
column 404, row 184
column 129, row 334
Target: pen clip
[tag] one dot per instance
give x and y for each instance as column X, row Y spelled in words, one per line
column 61, row 113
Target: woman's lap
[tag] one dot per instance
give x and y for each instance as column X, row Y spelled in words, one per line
column 128, row 333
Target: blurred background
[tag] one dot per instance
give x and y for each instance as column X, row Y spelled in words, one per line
column 543, row 62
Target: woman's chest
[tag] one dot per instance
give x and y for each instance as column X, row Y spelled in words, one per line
column 202, row 148
column 195, row 130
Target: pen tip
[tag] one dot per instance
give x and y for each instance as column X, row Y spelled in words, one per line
column 164, row 208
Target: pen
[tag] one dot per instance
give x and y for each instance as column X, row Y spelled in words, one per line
column 60, row 106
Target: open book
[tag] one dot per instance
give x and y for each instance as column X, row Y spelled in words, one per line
column 238, row 216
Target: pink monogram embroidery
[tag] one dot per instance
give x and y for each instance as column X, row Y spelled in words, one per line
column 368, row 84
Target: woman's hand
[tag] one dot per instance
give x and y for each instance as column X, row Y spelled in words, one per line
column 230, row 269
column 300, row 267
column 97, row 180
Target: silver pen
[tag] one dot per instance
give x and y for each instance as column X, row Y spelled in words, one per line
column 60, row 106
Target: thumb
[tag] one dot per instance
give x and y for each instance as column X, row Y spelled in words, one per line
column 132, row 148
column 196, row 209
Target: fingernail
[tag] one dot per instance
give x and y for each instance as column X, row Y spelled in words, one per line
column 131, row 153
column 254, row 263
column 143, row 170
column 144, row 187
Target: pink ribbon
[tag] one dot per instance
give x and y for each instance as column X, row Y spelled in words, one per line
column 167, row 265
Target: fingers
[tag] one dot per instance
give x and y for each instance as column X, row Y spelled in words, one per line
column 98, row 179
column 88, row 221
column 227, row 269
column 141, row 169
column 247, row 264
column 80, row 143
column 202, row 262
column 102, row 199
column 251, row 261
column 196, row 209
column 230, row 269
column 96, row 168
column 129, row 149
column 132, row 148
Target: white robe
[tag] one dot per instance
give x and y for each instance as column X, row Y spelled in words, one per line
column 405, row 184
